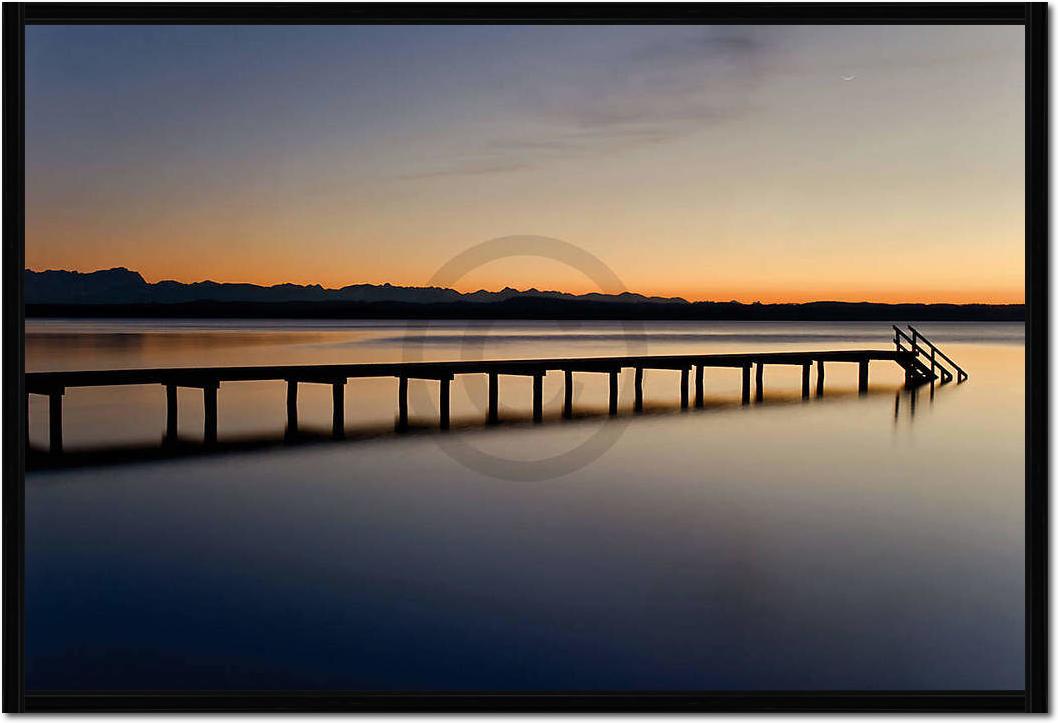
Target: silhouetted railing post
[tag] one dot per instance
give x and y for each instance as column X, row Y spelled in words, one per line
column 209, row 405
column 613, row 393
column 170, row 413
column 494, row 398
column 445, row 402
column 699, row 391
column 806, row 385
column 863, row 376
column 638, row 401
column 685, row 376
column 292, row 406
column 760, row 382
column 55, row 420
column 567, row 400
column 338, row 409
column 402, row 403
column 538, row 398
column 745, row 384
column 820, row 373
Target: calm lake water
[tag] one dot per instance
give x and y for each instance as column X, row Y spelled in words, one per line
column 843, row 542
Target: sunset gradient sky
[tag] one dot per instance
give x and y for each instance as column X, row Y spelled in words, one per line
column 783, row 163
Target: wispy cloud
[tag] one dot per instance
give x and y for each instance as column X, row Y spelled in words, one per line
column 646, row 94
column 467, row 170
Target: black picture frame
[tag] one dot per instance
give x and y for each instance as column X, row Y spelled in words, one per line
column 16, row 16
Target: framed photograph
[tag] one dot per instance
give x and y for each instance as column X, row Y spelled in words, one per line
column 524, row 357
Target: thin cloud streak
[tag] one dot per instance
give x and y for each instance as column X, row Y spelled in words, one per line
column 647, row 95
column 467, row 170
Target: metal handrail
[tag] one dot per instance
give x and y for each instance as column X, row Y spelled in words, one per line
column 914, row 340
column 916, row 351
column 935, row 348
column 901, row 333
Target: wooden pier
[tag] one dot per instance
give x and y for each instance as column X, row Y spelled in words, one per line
column 912, row 353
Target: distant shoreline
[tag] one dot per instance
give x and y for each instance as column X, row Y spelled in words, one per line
column 536, row 309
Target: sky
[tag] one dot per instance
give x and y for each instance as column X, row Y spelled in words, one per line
column 770, row 163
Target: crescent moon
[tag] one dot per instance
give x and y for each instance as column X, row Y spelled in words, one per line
column 848, row 77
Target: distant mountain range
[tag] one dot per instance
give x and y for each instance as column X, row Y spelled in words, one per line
column 122, row 286
column 121, row 293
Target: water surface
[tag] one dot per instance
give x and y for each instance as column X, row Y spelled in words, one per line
column 843, row 542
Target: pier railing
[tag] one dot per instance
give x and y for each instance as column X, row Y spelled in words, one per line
column 928, row 351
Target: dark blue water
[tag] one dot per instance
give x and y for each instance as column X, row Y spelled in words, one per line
column 846, row 542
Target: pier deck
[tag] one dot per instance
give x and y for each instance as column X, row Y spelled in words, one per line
column 208, row 379
column 48, row 382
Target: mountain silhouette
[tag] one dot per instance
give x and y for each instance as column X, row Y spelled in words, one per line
column 121, row 293
column 122, row 286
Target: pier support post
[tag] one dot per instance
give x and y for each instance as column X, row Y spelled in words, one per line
column 292, row 407
column 745, row 384
column 863, row 376
column 338, row 409
column 760, row 382
column 402, row 403
column 445, row 402
column 613, row 393
column 699, row 391
column 55, row 420
column 819, row 377
column 806, row 373
column 567, row 400
column 638, row 404
column 538, row 398
column 494, row 398
column 209, row 406
column 685, row 397
column 170, row 413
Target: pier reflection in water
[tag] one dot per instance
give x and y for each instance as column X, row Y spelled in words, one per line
column 799, row 544
column 165, row 447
